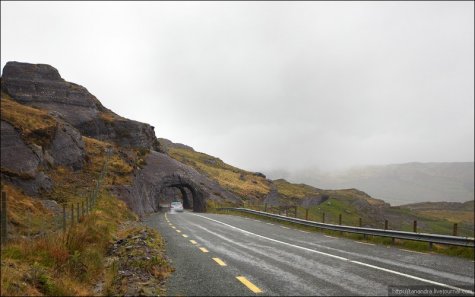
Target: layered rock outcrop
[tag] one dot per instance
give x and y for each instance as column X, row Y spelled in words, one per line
column 41, row 86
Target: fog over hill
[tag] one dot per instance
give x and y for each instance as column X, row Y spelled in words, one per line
column 397, row 184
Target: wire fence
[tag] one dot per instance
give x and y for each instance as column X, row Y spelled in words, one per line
column 64, row 216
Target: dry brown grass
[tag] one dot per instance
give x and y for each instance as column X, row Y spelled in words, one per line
column 239, row 181
column 35, row 125
column 26, row 214
column 63, row 265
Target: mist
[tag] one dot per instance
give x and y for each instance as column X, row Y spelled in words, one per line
column 270, row 85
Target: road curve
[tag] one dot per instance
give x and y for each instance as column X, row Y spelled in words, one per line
column 216, row 255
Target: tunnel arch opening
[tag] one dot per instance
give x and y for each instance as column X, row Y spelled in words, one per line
column 192, row 196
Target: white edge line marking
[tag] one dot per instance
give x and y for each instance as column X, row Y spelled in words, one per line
column 414, row 252
column 330, row 236
column 342, row 258
column 363, row 242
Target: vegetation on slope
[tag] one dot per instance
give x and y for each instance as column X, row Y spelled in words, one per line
column 36, row 126
column 244, row 183
column 39, row 259
column 352, row 204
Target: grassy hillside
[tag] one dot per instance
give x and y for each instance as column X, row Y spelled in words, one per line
column 39, row 259
column 247, row 185
column 352, row 204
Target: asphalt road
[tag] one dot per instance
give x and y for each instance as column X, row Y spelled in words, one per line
column 210, row 252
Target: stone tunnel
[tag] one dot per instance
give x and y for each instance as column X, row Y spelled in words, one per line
column 162, row 173
column 192, row 195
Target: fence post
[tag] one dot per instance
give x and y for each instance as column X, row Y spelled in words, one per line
column 385, row 224
column 415, row 226
column 306, row 214
column 77, row 211
column 82, row 208
column 64, row 218
column 361, row 225
column 339, row 219
column 4, row 221
column 323, row 217
column 295, row 211
column 455, row 229
column 72, row 214
column 265, row 207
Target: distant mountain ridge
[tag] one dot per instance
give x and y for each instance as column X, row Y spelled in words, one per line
column 398, row 184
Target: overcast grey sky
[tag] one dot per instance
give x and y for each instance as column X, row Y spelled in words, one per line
column 266, row 85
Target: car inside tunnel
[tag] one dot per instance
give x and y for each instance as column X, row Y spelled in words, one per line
column 177, row 188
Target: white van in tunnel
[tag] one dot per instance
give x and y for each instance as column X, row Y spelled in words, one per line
column 176, row 206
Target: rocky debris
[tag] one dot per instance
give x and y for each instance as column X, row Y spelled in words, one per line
column 162, row 171
column 140, row 263
column 41, row 86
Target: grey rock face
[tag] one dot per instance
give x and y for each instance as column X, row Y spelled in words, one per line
column 41, row 86
column 17, row 157
column 20, row 162
column 67, row 147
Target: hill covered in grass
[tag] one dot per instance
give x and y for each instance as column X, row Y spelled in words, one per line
column 256, row 190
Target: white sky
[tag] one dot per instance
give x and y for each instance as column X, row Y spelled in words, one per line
column 266, row 85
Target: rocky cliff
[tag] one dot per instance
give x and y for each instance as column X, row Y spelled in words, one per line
column 48, row 123
column 41, row 86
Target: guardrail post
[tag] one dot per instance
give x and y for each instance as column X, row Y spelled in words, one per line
column 4, row 222
column 455, row 230
column 385, row 224
column 306, row 214
column 295, row 211
column 415, row 226
column 339, row 219
column 72, row 214
column 265, row 207
column 323, row 218
column 64, row 218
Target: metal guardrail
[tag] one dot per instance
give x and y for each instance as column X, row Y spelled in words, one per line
column 426, row 237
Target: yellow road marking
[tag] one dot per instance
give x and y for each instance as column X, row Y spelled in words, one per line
column 219, row 261
column 193, row 242
column 173, row 227
column 249, row 285
column 178, row 231
column 204, row 250
column 184, row 235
